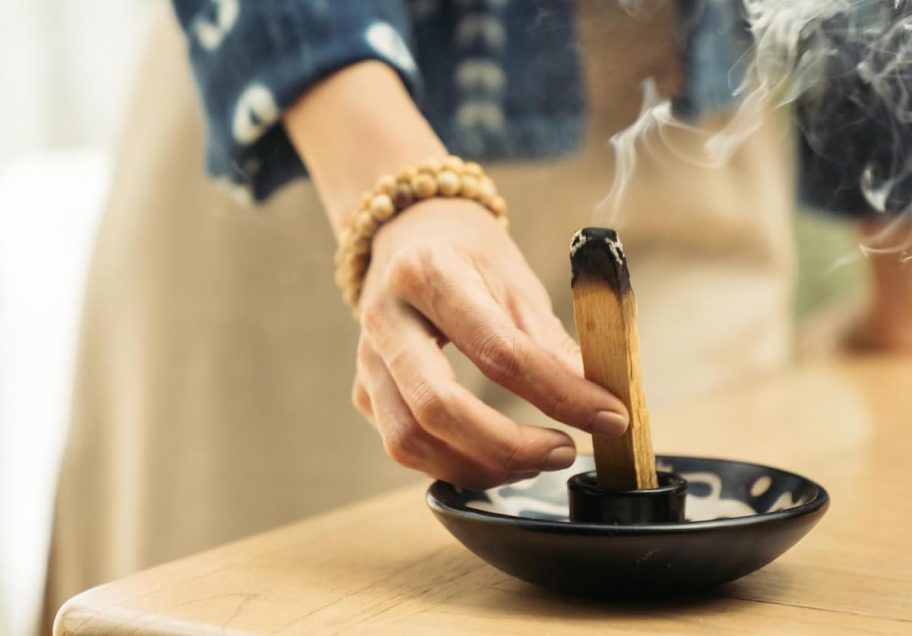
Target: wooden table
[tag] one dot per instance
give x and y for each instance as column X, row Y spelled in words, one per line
column 386, row 567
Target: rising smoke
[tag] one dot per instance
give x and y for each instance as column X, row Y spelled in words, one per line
column 845, row 69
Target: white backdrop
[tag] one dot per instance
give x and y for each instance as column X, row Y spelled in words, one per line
column 65, row 71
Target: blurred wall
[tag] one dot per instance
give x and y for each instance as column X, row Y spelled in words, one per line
column 65, row 69
column 65, row 72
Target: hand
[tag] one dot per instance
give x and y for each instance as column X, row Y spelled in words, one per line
column 445, row 271
column 442, row 271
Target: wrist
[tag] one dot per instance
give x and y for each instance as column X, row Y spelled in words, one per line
column 433, row 218
column 348, row 141
column 447, row 180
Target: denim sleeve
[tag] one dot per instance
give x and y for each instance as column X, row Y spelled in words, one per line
column 253, row 58
column 854, row 136
column 715, row 39
column 855, row 139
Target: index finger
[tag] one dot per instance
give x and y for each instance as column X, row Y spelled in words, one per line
column 455, row 298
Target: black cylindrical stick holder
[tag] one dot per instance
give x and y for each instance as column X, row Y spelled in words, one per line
column 591, row 503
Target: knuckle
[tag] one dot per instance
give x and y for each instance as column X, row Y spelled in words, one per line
column 512, row 457
column 431, row 405
column 361, row 355
column 372, row 318
column 359, row 397
column 403, row 447
column 568, row 344
column 499, row 359
column 408, row 270
column 559, row 404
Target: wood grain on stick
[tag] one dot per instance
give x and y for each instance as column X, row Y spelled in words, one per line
column 604, row 307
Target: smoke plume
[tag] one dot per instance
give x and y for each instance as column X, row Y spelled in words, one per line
column 844, row 67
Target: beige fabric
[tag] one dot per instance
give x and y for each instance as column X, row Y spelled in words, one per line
column 215, row 361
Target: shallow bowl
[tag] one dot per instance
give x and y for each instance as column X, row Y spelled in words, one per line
column 740, row 517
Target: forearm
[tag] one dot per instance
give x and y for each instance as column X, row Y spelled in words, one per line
column 354, row 126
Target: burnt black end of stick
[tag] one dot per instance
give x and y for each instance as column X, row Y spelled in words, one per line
column 597, row 253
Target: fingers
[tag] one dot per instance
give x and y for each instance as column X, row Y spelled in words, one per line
column 361, row 399
column 410, row 445
column 445, row 409
column 547, row 331
column 360, row 396
column 456, row 299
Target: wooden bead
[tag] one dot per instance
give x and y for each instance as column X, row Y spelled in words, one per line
column 361, row 245
column 403, row 195
column 473, row 169
column 385, row 185
column 498, row 205
column 339, row 256
column 357, row 286
column 470, row 186
column 448, row 177
column 431, row 166
column 424, row 186
column 340, row 249
column 406, row 174
column 448, row 183
column 356, row 264
column 381, row 206
column 350, row 294
column 365, row 223
column 348, row 261
column 353, row 238
column 453, row 163
column 341, row 277
column 486, row 188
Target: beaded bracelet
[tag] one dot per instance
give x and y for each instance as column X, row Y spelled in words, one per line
column 451, row 177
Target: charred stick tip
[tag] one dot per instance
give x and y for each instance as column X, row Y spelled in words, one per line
column 597, row 252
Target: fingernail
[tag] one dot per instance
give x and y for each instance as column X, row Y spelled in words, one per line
column 609, row 423
column 562, row 457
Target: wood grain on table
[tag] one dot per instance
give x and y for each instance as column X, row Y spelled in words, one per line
column 386, row 567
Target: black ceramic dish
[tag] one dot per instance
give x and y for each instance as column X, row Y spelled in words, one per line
column 740, row 517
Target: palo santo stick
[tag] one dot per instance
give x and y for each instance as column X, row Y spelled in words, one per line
column 605, row 311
